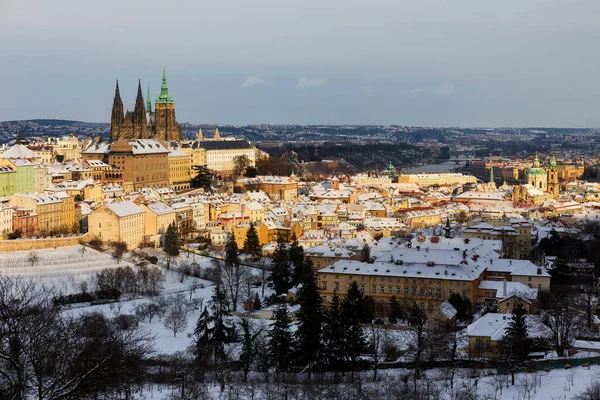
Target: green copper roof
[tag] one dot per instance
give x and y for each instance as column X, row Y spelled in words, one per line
column 553, row 161
column 164, row 97
column 148, row 102
column 536, row 171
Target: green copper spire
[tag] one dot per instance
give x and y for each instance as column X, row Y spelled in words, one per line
column 553, row 161
column 148, row 102
column 536, row 161
column 164, row 97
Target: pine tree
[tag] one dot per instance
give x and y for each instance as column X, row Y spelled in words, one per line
column 249, row 349
column 231, row 252
column 172, row 242
column 213, row 331
column 223, row 331
column 280, row 340
column 516, row 333
column 252, row 243
column 281, row 268
column 297, row 260
column 352, row 309
column 310, row 319
column 396, row 312
column 334, row 333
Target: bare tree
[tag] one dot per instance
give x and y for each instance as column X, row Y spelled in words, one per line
column 375, row 339
column 33, row 258
column 235, row 279
column 48, row 354
column 176, row 318
column 527, row 384
column 82, row 249
column 563, row 322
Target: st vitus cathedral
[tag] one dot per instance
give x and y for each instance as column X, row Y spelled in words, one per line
column 143, row 123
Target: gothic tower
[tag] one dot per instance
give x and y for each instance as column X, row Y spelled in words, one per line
column 116, row 119
column 140, row 126
column 553, row 186
column 165, row 123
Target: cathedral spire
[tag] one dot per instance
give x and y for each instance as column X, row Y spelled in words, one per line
column 117, row 93
column 139, row 94
column 492, row 174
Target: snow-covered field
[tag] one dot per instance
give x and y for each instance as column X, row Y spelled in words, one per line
column 63, row 268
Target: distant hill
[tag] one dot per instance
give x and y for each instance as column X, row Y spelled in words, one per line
column 54, row 122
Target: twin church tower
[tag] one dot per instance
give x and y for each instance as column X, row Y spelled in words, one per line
column 142, row 123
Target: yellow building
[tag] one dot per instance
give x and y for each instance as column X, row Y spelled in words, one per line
column 48, row 207
column 441, row 179
column 42, row 177
column 198, row 155
column 254, row 210
column 68, row 212
column 118, row 222
column 158, row 217
column 180, row 165
column 241, row 230
column 277, row 187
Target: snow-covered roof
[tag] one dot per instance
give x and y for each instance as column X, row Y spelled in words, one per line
column 494, row 325
column 124, row 208
column 159, row 208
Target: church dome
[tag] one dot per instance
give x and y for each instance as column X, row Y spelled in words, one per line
column 536, row 169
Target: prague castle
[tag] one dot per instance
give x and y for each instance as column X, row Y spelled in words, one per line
column 142, row 123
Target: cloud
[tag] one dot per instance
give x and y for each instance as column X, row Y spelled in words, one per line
column 304, row 83
column 443, row 90
column 254, row 81
column 369, row 89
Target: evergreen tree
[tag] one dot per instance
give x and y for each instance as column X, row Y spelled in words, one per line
column 203, row 333
column 516, row 333
column 232, row 258
column 203, row 179
column 464, row 309
column 396, row 312
column 352, row 309
column 249, row 349
column 213, row 330
column 310, row 319
column 281, row 268
column 172, row 242
column 252, row 243
column 297, row 261
column 334, row 334
column 515, row 344
column 280, row 340
column 559, row 273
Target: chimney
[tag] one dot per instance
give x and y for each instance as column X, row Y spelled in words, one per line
column 539, row 270
column 504, row 287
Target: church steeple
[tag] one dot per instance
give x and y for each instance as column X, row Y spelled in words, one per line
column 148, row 102
column 117, row 93
column 492, row 174
column 139, row 113
column 139, row 94
column 164, row 97
column 116, row 119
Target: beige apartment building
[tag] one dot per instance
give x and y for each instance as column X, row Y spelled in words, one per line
column 158, row 217
column 118, row 222
column 180, row 165
column 49, row 209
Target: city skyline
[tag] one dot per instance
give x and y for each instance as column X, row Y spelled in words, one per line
column 426, row 64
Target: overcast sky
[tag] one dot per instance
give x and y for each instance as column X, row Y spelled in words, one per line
column 409, row 62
